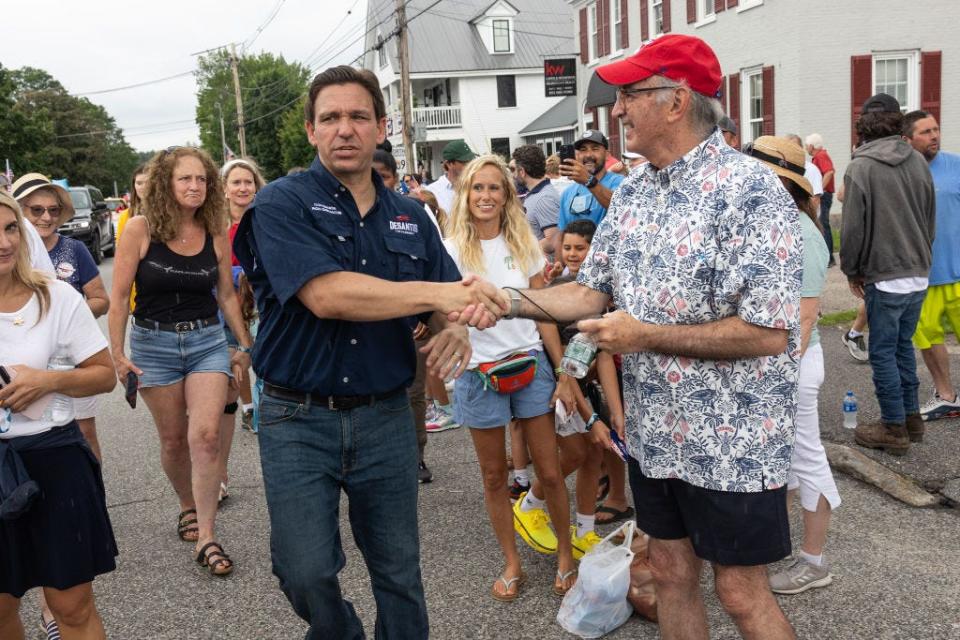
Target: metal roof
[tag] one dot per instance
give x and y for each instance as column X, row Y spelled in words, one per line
column 442, row 39
column 562, row 115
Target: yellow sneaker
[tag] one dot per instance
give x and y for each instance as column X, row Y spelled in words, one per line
column 534, row 527
column 582, row 545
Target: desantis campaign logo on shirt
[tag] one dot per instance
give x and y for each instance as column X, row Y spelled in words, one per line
column 402, row 224
column 65, row 271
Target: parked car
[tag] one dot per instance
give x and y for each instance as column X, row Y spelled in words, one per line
column 93, row 222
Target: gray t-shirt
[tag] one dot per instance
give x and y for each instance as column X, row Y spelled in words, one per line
column 543, row 208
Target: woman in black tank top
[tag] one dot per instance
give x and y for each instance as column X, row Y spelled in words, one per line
column 178, row 254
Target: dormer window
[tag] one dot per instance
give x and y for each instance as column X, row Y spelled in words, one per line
column 501, row 36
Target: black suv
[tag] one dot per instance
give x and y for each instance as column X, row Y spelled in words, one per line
column 92, row 224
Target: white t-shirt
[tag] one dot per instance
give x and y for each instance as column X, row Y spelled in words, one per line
column 24, row 341
column 443, row 190
column 508, row 336
column 814, row 177
column 39, row 258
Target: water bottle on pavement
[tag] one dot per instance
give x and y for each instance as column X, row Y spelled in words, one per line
column 579, row 355
column 850, row 411
column 60, row 409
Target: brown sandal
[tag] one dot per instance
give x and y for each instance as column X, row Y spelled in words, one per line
column 509, row 593
column 215, row 559
column 560, row 581
column 187, row 527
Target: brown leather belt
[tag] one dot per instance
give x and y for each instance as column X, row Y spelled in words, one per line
column 333, row 403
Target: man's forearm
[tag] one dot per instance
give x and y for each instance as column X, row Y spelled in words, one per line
column 346, row 295
column 726, row 339
column 563, row 303
column 603, row 195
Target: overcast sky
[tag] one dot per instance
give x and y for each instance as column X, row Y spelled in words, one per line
column 102, row 44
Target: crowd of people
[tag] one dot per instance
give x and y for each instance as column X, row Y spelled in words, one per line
column 376, row 309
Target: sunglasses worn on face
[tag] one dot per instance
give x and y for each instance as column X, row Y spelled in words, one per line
column 38, row 211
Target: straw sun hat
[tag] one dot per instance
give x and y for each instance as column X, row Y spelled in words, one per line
column 785, row 157
column 30, row 182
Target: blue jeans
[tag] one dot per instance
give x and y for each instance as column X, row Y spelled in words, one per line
column 893, row 319
column 309, row 454
column 826, row 201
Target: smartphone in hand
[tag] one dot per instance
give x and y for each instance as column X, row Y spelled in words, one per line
column 619, row 444
column 130, row 393
column 567, row 152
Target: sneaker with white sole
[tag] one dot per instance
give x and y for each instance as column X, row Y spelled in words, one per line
column 441, row 421
column 800, row 576
column 938, row 408
column 534, row 527
column 856, row 346
column 582, row 546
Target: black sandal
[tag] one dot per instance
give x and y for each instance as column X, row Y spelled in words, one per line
column 187, row 526
column 215, row 559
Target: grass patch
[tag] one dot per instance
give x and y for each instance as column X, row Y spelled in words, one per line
column 838, row 318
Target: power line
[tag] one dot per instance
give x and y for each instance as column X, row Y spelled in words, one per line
column 266, row 23
column 134, row 86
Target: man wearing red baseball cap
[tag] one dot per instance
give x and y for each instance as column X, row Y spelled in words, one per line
column 700, row 252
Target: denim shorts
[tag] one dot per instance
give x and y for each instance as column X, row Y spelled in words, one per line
column 167, row 357
column 479, row 408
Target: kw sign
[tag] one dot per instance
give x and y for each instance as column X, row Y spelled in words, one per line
column 560, row 77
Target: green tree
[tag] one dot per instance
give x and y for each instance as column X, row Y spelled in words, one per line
column 270, row 87
column 61, row 135
column 295, row 149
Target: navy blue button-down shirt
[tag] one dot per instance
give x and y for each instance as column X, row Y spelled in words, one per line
column 305, row 225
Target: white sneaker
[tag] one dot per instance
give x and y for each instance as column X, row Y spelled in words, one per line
column 799, row 577
column 856, row 346
column 442, row 421
column 938, row 408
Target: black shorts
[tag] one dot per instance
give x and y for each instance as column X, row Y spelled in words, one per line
column 728, row 528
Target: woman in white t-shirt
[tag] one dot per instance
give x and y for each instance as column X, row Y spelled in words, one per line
column 54, row 531
column 489, row 236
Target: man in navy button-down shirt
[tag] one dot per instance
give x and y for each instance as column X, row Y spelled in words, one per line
column 342, row 269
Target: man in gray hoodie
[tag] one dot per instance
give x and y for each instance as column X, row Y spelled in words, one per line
column 889, row 209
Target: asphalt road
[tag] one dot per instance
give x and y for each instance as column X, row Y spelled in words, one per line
column 897, row 569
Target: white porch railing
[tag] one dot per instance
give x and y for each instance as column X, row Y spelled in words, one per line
column 438, row 117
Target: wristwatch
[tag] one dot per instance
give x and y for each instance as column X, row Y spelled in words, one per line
column 514, row 303
column 592, row 182
column 593, row 419
column 242, row 349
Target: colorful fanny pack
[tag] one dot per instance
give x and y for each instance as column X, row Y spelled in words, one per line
column 509, row 374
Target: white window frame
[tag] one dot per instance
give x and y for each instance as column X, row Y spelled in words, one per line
column 913, row 75
column 617, row 21
column 746, row 128
column 746, row 5
column 654, row 6
column 603, row 115
column 493, row 29
column 593, row 34
column 706, row 13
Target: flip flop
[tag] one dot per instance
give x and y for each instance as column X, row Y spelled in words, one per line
column 508, row 583
column 562, row 577
column 618, row 516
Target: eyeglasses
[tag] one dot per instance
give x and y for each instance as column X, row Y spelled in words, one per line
column 38, row 211
column 623, row 93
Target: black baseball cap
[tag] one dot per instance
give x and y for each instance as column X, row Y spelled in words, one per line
column 881, row 103
column 592, row 135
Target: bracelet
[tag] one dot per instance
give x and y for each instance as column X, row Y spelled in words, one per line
column 593, row 419
column 558, row 371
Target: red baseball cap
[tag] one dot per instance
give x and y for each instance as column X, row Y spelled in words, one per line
column 673, row 56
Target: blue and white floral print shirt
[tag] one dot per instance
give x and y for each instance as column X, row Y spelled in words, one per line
column 713, row 235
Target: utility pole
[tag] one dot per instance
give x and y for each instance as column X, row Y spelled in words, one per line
column 404, row 55
column 223, row 135
column 236, row 89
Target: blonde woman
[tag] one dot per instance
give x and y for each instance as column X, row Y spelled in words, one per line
column 179, row 254
column 54, row 526
column 241, row 182
column 489, row 236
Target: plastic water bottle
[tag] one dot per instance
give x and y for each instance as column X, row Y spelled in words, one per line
column 579, row 355
column 60, row 409
column 850, row 411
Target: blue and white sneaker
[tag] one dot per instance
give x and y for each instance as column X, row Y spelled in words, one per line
column 938, row 408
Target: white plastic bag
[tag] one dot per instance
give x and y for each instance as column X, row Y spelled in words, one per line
column 597, row 604
column 568, row 424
